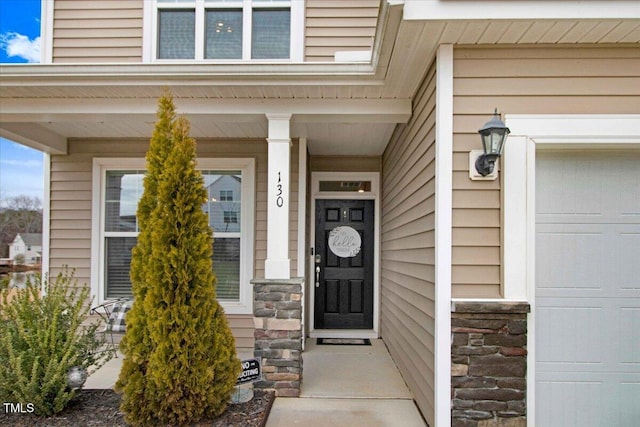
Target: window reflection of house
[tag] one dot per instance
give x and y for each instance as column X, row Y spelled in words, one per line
column 29, row 245
column 223, row 202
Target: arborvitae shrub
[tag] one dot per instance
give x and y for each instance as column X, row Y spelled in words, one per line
column 136, row 344
column 44, row 333
column 183, row 368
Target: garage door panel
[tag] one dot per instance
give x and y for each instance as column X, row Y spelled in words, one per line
column 565, row 175
column 584, row 399
column 569, row 401
column 628, row 173
column 570, row 336
column 570, row 261
column 581, row 187
column 587, row 334
column 629, row 342
column 627, row 263
column 626, row 413
column 558, row 272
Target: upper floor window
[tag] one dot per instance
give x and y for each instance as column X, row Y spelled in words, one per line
column 226, row 195
column 225, row 29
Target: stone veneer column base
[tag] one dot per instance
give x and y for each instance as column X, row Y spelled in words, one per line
column 489, row 364
column 277, row 311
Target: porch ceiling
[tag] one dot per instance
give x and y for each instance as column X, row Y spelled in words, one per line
column 332, row 126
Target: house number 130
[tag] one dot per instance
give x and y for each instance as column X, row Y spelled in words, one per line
column 279, row 199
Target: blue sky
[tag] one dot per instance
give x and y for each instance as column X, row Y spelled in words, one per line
column 20, row 166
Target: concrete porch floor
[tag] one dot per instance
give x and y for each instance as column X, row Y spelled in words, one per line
column 342, row 386
column 348, row 386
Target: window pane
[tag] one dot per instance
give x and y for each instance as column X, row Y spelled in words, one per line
column 176, row 34
column 224, row 34
column 271, row 33
column 226, row 265
column 118, row 263
column 123, row 191
column 223, row 200
column 359, row 186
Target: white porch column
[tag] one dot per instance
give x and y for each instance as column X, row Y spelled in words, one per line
column 277, row 264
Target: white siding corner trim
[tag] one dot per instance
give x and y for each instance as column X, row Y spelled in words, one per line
column 443, row 232
column 528, row 133
column 46, row 32
column 46, row 215
column 302, row 207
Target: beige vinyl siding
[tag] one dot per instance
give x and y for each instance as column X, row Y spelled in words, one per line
column 408, row 248
column 534, row 80
column 71, row 200
column 338, row 25
column 97, row 31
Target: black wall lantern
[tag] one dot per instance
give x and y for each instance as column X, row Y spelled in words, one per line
column 493, row 134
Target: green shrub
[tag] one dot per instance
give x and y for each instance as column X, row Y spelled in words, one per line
column 180, row 363
column 44, row 333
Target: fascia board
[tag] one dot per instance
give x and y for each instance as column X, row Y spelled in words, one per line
column 439, row 10
column 31, row 135
column 194, row 73
column 18, row 110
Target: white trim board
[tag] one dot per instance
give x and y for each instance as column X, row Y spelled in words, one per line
column 436, row 10
column 46, row 216
column 46, row 31
column 530, row 133
column 374, row 195
column 443, row 234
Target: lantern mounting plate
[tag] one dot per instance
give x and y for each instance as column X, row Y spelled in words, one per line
column 473, row 172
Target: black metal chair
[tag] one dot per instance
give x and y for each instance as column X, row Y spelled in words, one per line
column 112, row 314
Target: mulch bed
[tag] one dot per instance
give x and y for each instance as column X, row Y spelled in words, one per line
column 98, row 408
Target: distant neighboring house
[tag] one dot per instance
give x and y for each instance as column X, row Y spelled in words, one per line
column 29, row 244
column 223, row 203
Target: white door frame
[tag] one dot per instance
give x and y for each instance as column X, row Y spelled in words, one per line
column 374, row 194
column 530, row 133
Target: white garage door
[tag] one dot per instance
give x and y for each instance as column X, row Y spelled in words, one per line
column 588, row 289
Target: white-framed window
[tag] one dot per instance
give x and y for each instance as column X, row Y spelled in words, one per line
column 230, row 217
column 117, row 188
column 224, row 30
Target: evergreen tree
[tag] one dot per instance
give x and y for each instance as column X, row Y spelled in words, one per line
column 136, row 344
column 180, row 364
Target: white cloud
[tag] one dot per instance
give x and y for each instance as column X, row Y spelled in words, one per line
column 21, row 46
column 22, row 163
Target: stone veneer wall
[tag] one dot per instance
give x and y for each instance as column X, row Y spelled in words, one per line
column 489, row 364
column 277, row 310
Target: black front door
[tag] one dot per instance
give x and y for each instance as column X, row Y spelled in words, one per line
column 343, row 270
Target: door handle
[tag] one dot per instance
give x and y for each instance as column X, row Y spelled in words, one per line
column 317, row 276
